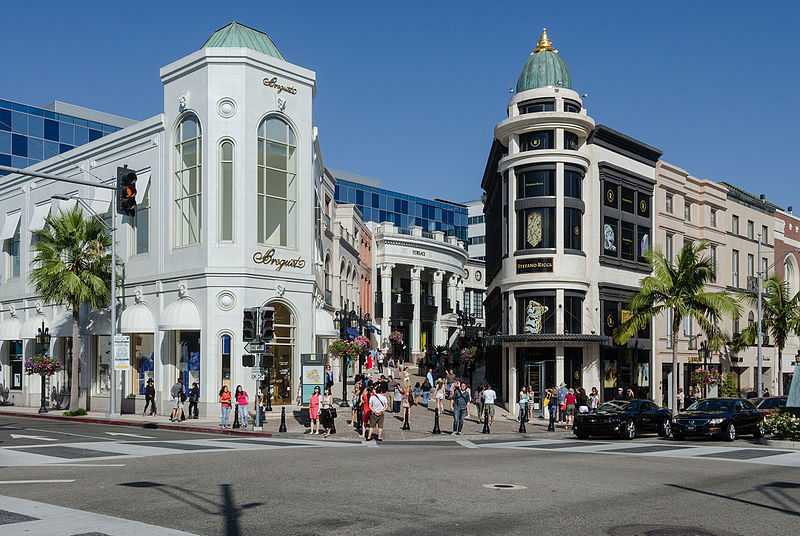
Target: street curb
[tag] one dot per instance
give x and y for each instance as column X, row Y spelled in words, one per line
column 136, row 424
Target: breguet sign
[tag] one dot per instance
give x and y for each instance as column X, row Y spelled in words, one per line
column 280, row 88
column 268, row 257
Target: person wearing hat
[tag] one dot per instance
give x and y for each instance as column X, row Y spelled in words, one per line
column 149, row 398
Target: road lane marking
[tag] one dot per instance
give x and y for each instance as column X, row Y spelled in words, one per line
column 84, row 465
column 66, row 433
column 467, row 443
column 129, row 435
column 36, row 481
column 35, row 438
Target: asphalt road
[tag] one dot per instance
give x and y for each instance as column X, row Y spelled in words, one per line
column 411, row 487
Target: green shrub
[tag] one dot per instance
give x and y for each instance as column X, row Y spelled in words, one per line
column 727, row 387
column 77, row 413
column 783, row 426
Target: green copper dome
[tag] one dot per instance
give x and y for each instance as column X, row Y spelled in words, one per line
column 544, row 68
column 237, row 35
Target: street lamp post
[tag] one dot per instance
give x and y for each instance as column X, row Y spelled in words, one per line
column 43, row 340
column 704, row 355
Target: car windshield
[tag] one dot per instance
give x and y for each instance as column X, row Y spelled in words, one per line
column 614, row 405
column 713, row 404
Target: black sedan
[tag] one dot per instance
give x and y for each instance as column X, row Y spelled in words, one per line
column 726, row 418
column 624, row 418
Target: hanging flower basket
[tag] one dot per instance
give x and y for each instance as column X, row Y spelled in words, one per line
column 362, row 343
column 42, row 365
column 705, row 377
column 342, row 348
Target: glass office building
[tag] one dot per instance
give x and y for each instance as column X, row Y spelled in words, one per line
column 379, row 205
column 30, row 134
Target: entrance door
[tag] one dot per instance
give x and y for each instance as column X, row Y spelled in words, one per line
column 534, row 378
column 666, row 385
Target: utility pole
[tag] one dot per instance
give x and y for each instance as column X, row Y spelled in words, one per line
column 759, row 361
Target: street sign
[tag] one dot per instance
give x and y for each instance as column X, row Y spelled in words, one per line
column 255, row 347
column 122, row 352
column 257, row 373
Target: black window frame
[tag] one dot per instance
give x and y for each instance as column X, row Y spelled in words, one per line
column 625, row 219
column 573, row 218
column 546, row 298
column 572, row 142
column 573, row 312
column 548, row 228
column 529, row 107
column 549, row 182
column 572, row 107
column 546, row 140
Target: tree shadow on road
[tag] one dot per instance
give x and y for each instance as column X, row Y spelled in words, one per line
column 774, row 491
column 207, row 503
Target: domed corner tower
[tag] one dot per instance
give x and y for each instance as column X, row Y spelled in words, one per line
column 540, row 267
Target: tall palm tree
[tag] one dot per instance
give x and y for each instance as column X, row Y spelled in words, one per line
column 781, row 318
column 681, row 288
column 71, row 265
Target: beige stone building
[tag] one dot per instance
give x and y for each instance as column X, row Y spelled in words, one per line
column 731, row 221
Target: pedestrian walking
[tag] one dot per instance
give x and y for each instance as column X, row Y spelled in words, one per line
column 552, row 405
column 242, row 401
column 365, row 411
column 380, row 362
column 149, row 398
column 523, row 404
column 429, row 377
column 398, row 398
column 224, row 406
column 460, row 405
column 178, row 397
column 355, row 399
column 313, row 410
column 469, row 396
column 570, row 400
column 426, row 393
column 562, row 402
column 489, row 397
column 328, row 376
column 327, row 412
column 377, row 406
column 194, row 399
column 583, row 400
column 594, row 399
column 417, row 391
column 439, row 395
column 391, row 366
column 406, row 407
column 406, row 378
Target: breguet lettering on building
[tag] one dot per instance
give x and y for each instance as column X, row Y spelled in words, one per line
column 280, row 88
column 268, row 257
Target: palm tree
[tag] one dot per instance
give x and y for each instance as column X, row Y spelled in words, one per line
column 71, row 265
column 681, row 288
column 781, row 318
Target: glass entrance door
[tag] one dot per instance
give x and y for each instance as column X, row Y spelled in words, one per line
column 534, row 378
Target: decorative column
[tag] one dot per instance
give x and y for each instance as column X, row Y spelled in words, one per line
column 437, row 301
column 416, row 272
column 559, row 364
column 386, row 299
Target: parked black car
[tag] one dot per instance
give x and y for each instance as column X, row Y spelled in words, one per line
column 726, row 418
column 625, row 418
column 769, row 405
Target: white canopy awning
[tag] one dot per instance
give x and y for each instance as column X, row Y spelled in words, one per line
column 40, row 213
column 9, row 329
column 142, row 183
column 323, row 323
column 180, row 315
column 65, row 205
column 137, row 319
column 101, row 201
column 31, row 326
column 10, row 226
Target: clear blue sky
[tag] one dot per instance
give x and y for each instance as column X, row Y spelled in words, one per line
column 409, row 92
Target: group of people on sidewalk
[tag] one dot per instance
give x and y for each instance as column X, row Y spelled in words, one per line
column 560, row 404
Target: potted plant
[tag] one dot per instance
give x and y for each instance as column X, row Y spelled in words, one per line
column 45, row 367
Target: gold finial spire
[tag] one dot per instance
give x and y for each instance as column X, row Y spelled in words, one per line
column 544, row 43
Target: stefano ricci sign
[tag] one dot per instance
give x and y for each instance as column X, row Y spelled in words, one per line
column 532, row 266
column 280, row 88
column 268, row 257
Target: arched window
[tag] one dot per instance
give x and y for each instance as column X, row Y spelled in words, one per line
column 188, row 181
column 790, row 275
column 277, row 187
column 226, row 191
column 283, row 383
column 225, row 353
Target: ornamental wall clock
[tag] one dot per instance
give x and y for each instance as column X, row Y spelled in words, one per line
column 478, row 276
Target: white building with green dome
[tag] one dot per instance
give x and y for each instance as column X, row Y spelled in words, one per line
column 568, row 220
column 226, row 221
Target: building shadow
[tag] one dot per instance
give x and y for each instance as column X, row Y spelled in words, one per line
column 774, row 491
column 222, row 504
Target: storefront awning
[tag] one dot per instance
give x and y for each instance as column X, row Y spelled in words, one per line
column 9, row 329
column 137, row 319
column 31, row 326
column 180, row 315
column 40, row 213
column 323, row 322
column 10, row 226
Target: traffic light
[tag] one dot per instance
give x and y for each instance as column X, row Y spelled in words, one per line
column 249, row 324
column 267, row 324
column 248, row 360
column 126, row 191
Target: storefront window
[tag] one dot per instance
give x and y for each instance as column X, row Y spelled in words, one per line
column 573, row 182
column 573, row 314
column 572, row 228
column 225, row 352
column 536, row 313
column 283, row 348
column 571, row 141
column 15, row 358
column 277, row 171
column 187, row 190
column 536, row 182
column 534, row 141
column 188, row 358
column 143, row 361
column 536, row 228
column 102, row 379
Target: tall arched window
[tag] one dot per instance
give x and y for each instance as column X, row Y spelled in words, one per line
column 790, row 275
column 283, row 355
column 188, row 181
column 226, row 191
column 277, row 187
column 225, row 354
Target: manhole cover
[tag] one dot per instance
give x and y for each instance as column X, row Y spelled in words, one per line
column 505, row 486
column 664, row 530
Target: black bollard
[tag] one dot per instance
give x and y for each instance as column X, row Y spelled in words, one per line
column 406, row 424
column 333, row 421
column 236, row 423
column 436, row 423
column 486, row 429
column 282, row 427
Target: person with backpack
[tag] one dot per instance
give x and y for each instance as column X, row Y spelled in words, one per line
column 178, row 397
column 242, row 400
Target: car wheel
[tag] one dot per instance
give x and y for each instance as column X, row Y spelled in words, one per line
column 730, row 432
column 629, row 432
column 580, row 434
column 760, row 430
column 665, row 429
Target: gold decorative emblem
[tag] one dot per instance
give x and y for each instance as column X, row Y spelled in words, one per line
column 610, row 195
column 535, row 142
column 610, row 320
column 642, row 206
column 534, row 229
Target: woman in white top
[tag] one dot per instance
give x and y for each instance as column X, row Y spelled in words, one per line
column 326, row 412
column 439, row 395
